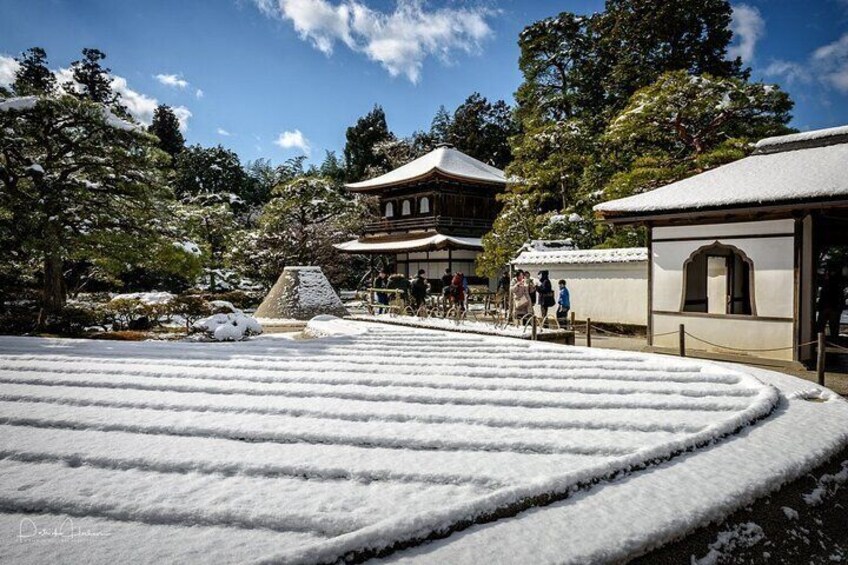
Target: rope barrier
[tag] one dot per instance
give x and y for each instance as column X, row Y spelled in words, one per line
column 665, row 334
column 838, row 347
column 748, row 349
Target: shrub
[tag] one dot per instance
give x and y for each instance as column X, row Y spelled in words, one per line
column 125, row 311
column 73, row 320
column 190, row 307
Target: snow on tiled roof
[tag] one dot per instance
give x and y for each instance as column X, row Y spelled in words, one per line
column 444, row 159
column 805, row 166
column 542, row 253
column 421, row 243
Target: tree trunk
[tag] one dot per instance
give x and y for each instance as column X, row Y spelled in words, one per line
column 53, row 292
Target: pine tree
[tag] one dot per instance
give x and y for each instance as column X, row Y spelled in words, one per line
column 579, row 74
column 440, row 126
column 33, row 77
column 93, row 79
column 482, row 130
column 80, row 184
column 361, row 138
column 166, row 127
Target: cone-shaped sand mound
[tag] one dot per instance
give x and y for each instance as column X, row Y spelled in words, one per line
column 301, row 293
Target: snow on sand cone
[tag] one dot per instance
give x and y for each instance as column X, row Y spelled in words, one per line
column 301, row 293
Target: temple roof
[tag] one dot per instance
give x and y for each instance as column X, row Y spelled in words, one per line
column 409, row 242
column 805, row 167
column 445, row 160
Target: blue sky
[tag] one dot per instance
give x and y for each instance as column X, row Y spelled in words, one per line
column 268, row 78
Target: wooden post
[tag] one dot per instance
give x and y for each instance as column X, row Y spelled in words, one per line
column 682, row 337
column 572, row 320
column 820, row 358
column 535, row 327
column 588, row 332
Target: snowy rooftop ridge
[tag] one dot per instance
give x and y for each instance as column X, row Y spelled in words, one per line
column 811, row 166
column 444, row 159
column 827, row 136
column 536, row 254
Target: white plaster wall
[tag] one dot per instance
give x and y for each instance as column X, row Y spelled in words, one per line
column 773, row 262
column 738, row 333
column 726, row 230
column 614, row 293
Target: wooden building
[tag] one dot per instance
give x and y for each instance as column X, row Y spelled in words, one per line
column 749, row 255
column 434, row 212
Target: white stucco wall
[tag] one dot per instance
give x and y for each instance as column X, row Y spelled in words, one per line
column 615, row 293
column 773, row 275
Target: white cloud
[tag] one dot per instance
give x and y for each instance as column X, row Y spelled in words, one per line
column 198, row 94
column 142, row 106
column 400, row 41
column 790, row 71
column 222, row 131
column 832, row 60
column 828, row 64
column 294, row 140
column 8, row 68
column 748, row 27
column 172, row 80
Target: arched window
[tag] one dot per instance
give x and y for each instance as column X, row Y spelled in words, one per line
column 424, row 205
column 405, row 208
column 718, row 279
column 390, row 210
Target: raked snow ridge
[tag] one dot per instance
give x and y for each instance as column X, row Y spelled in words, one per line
column 307, row 451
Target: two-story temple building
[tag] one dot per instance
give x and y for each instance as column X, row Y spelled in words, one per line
column 433, row 213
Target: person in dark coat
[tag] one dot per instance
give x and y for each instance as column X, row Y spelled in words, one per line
column 420, row 287
column 545, row 293
column 531, row 288
column 381, row 281
column 502, row 292
column 446, row 282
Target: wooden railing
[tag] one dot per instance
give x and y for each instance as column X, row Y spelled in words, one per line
column 425, row 222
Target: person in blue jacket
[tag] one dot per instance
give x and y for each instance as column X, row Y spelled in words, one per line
column 563, row 303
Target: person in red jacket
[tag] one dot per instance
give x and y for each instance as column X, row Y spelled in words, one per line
column 457, row 290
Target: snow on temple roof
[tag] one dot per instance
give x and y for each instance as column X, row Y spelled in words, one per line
column 444, row 159
column 556, row 253
column 424, row 243
column 806, row 166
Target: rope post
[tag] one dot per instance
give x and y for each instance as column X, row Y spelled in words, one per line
column 572, row 319
column 535, row 326
column 682, row 336
column 588, row 332
column 820, row 358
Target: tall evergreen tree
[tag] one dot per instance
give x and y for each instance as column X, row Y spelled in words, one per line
column 80, row 184
column 440, row 126
column 33, row 76
column 579, row 74
column 361, row 138
column 166, row 127
column 483, row 130
column 93, row 79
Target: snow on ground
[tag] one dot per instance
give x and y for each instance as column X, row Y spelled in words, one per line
column 307, row 450
column 463, row 326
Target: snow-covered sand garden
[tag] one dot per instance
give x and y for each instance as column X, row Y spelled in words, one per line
column 376, row 438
